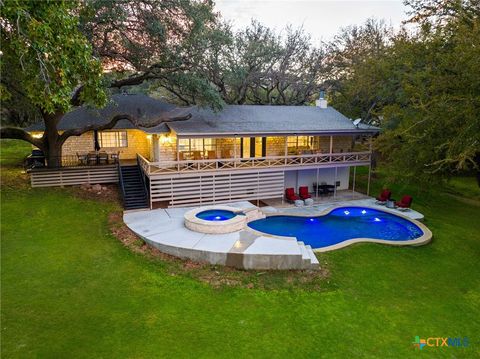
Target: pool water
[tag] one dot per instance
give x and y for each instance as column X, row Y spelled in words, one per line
column 340, row 225
column 216, row 215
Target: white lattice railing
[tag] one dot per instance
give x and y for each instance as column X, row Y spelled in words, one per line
column 224, row 164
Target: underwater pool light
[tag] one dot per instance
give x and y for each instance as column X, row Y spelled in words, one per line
column 218, row 217
column 363, row 211
column 346, row 212
column 377, row 219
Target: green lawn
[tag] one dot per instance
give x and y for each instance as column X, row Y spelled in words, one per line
column 70, row 289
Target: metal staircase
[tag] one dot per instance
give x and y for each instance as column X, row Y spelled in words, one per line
column 132, row 187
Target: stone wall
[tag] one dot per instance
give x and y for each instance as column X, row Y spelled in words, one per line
column 167, row 148
column 137, row 142
column 78, row 144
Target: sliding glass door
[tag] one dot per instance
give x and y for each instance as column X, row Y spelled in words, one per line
column 251, row 147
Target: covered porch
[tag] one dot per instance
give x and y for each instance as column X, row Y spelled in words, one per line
column 168, row 147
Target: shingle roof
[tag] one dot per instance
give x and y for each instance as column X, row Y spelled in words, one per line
column 232, row 119
column 263, row 119
column 146, row 109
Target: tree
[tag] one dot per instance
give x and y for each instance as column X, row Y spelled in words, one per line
column 162, row 42
column 50, row 64
column 422, row 88
column 259, row 66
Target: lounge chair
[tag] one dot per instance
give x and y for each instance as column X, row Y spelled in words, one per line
column 405, row 202
column 290, row 195
column 384, row 195
column 303, row 192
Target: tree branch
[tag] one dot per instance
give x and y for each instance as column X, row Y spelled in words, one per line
column 76, row 100
column 115, row 119
column 20, row 134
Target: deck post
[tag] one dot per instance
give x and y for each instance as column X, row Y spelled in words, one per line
column 331, row 147
column 353, row 185
column 369, row 175
column 316, row 189
column 335, row 184
column 178, row 154
column 286, row 149
column 234, row 147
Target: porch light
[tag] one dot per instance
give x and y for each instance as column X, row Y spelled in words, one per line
column 37, row 135
column 165, row 139
column 149, row 137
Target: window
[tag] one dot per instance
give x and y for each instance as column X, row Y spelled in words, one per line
column 112, row 139
column 196, row 144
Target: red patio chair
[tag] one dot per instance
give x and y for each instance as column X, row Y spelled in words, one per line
column 290, row 195
column 303, row 192
column 405, row 202
column 384, row 195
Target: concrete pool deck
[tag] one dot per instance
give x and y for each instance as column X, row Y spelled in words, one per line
column 165, row 230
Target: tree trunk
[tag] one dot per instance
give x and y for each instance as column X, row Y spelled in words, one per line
column 52, row 144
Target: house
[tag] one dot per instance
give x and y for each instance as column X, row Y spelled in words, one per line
column 243, row 152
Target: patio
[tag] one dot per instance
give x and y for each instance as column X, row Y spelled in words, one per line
column 339, row 196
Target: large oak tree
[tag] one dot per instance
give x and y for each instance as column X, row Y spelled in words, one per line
column 49, row 65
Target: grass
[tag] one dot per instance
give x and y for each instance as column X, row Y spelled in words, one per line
column 71, row 289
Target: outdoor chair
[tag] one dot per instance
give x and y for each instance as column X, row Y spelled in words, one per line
column 114, row 157
column 384, row 195
column 82, row 159
column 92, row 158
column 197, row 155
column 102, row 158
column 211, row 155
column 405, row 202
column 303, row 192
column 290, row 195
column 227, row 154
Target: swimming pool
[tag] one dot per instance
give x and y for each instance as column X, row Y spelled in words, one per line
column 216, row 215
column 342, row 224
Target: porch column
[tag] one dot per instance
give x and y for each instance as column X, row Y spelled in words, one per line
column 316, row 189
column 369, row 175
column 286, row 149
column 353, row 185
column 156, row 148
column 234, row 147
column 335, row 184
column 178, row 153
column 331, row 144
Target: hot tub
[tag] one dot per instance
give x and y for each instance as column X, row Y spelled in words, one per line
column 215, row 219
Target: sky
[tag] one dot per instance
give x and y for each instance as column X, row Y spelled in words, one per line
column 322, row 19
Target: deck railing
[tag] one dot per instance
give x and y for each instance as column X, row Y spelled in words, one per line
column 225, row 164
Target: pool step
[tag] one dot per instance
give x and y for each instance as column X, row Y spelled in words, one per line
column 253, row 214
column 305, row 256
column 314, row 263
